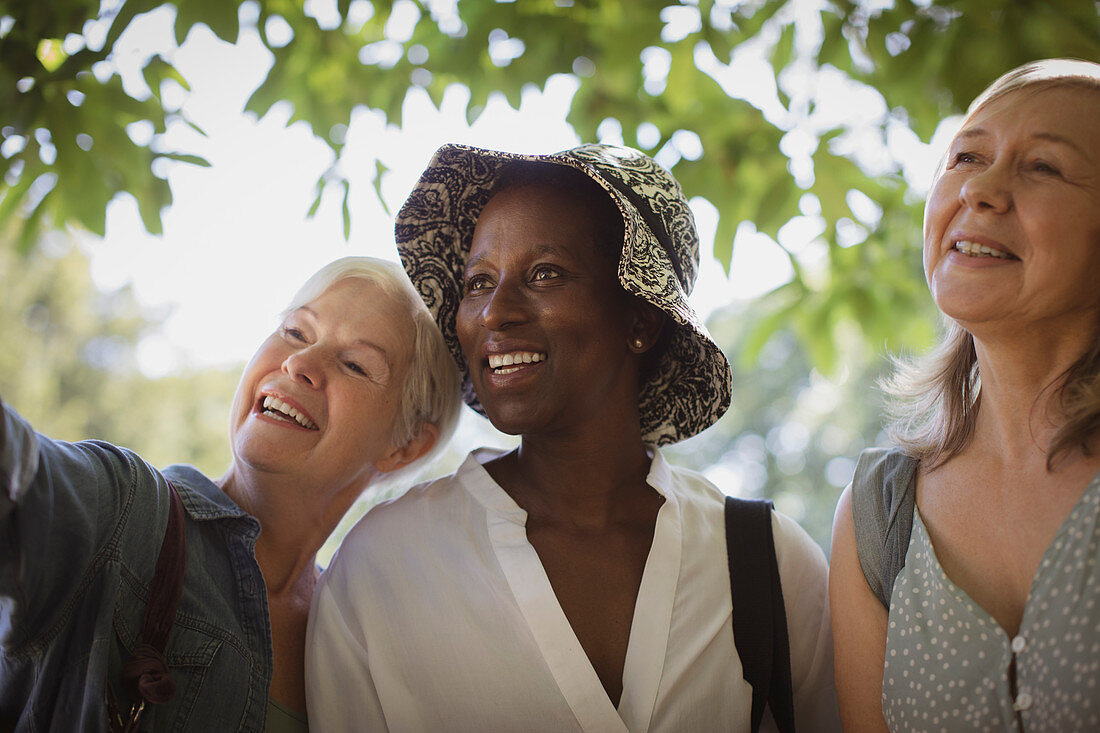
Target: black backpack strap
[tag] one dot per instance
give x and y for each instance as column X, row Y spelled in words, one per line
column 759, row 617
column 883, row 497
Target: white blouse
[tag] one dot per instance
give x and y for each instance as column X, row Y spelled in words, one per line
column 437, row 615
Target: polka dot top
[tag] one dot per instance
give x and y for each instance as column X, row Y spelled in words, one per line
column 949, row 663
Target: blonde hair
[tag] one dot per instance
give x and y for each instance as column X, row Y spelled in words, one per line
column 430, row 394
column 932, row 401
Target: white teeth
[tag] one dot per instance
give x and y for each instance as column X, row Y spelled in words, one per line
column 980, row 250
column 277, row 408
column 497, row 361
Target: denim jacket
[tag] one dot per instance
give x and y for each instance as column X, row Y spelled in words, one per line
column 81, row 525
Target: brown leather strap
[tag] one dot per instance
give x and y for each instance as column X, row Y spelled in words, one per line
column 145, row 672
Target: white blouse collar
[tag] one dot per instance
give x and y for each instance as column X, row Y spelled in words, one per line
column 480, row 485
column 651, row 625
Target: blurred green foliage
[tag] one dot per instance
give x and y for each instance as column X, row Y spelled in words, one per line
column 66, row 148
column 792, row 433
column 67, row 365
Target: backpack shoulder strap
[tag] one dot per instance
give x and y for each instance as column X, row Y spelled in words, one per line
column 759, row 617
column 883, row 497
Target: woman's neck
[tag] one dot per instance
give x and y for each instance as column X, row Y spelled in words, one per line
column 1021, row 387
column 293, row 526
column 577, row 480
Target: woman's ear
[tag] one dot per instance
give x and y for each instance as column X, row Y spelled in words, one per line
column 645, row 328
column 417, row 446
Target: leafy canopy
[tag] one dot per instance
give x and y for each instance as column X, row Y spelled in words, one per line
column 74, row 137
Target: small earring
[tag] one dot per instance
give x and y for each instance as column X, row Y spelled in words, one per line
column 638, row 344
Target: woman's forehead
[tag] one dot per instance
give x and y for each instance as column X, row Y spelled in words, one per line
column 1057, row 105
column 550, row 217
column 363, row 310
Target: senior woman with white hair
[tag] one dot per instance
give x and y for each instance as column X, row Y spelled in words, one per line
column 965, row 581
column 163, row 599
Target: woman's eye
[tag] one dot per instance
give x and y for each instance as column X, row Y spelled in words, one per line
column 294, row 333
column 544, row 273
column 476, row 283
column 355, row 368
column 964, row 158
column 1044, row 167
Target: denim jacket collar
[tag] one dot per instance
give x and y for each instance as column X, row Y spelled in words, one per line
column 206, row 501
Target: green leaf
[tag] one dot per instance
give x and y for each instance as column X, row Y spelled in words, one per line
column 220, row 16
column 13, row 195
column 783, row 52
column 316, row 201
column 30, row 225
column 723, row 240
column 186, row 158
column 50, row 54
column 157, row 70
column 126, row 13
column 379, row 169
column 785, row 300
column 346, row 210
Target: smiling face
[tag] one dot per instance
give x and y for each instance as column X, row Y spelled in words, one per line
column 318, row 399
column 1012, row 226
column 543, row 322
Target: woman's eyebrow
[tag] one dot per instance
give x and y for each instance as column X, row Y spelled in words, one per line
column 542, row 250
column 971, row 132
column 377, row 348
column 1063, row 140
column 1053, row 137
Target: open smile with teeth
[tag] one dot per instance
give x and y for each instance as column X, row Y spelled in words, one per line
column 973, row 249
column 276, row 408
column 513, row 362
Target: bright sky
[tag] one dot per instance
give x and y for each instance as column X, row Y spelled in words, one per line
column 237, row 240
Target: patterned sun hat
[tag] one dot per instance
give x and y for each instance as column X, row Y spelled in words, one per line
column 690, row 387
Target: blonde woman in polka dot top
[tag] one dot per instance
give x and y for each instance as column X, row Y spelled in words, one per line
column 992, row 499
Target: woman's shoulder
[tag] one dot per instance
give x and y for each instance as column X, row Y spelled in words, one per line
column 884, row 468
column 883, row 485
column 431, row 506
column 695, row 489
column 796, row 552
column 882, row 497
column 686, row 483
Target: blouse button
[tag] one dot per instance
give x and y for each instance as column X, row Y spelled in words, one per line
column 1019, row 643
column 1023, row 702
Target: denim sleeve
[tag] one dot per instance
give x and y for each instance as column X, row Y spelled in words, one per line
column 18, row 460
column 63, row 507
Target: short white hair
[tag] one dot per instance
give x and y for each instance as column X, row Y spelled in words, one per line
column 1043, row 73
column 430, row 394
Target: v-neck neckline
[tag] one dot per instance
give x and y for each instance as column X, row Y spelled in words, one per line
column 981, row 612
column 565, row 657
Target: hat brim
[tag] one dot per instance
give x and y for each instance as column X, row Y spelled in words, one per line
column 690, row 387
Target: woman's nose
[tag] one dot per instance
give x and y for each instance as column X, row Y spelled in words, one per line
column 305, row 366
column 989, row 189
column 504, row 307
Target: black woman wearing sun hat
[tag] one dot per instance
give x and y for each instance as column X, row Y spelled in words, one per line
column 578, row 582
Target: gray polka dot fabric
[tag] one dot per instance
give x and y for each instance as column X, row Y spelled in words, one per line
column 948, row 661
